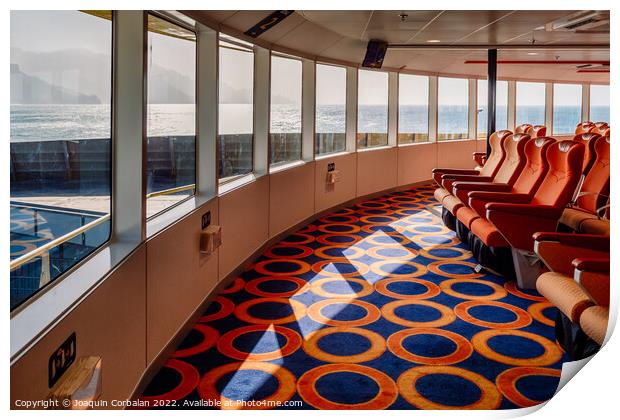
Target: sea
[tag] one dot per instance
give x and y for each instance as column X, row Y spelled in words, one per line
column 73, row 122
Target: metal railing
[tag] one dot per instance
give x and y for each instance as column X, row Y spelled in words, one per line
column 46, row 248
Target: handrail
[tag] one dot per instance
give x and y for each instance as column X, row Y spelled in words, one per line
column 171, row 190
column 18, row 262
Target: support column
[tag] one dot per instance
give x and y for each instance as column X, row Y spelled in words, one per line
column 262, row 86
column 432, row 108
column 392, row 109
column 512, row 105
column 351, row 110
column 549, row 107
column 308, row 109
column 129, row 126
column 585, row 102
column 491, row 95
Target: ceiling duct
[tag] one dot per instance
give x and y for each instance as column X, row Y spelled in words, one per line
column 580, row 21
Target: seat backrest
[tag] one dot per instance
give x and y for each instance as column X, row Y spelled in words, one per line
column 523, row 128
column 514, row 161
column 595, row 187
column 495, row 159
column 537, row 131
column 588, row 140
column 585, row 127
column 557, row 188
column 536, row 165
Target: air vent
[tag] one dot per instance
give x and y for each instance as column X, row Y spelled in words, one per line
column 580, row 21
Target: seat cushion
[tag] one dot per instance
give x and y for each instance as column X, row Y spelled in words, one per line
column 595, row 227
column 441, row 193
column 563, row 292
column 466, row 216
column 452, row 203
column 594, row 321
column 488, row 233
column 573, row 217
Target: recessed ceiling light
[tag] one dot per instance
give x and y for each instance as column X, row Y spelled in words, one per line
column 433, row 41
column 532, row 53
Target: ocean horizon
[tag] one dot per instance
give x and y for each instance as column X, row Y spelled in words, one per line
column 76, row 122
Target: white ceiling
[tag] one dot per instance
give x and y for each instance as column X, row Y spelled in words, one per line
column 342, row 36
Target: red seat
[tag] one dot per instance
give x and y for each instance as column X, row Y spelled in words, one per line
column 523, row 128
column 585, row 127
column 594, row 192
column 537, row 131
column 514, row 161
column 512, row 223
column 588, row 139
column 490, row 168
column 526, row 183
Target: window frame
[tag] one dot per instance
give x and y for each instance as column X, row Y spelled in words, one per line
column 278, row 166
column 187, row 27
column 580, row 103
column 387, row 106
column 346, row 95
column 608, row 86
column 94, row 253
column 469, row 93
column 428, row 110
column 231, row 40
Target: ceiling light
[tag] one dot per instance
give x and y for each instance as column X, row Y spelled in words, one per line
column 433, row 41
column 532, row 53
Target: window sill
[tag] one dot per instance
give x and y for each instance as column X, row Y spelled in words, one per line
column 32, row 322
column 332, row 155
column 454, row 140
column 423, row 143
column 372, row 149
column 280, row 167
column 233, row 184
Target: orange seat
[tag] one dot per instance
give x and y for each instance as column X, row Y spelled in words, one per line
column 558, row 250
column 523, row 128
column 594, row 191
column 585, row 127
column 593, row 276
column 527, row 180
column 537, row 131
column 564, row 293
column 514, row 161
column 490, row 168
column 589, row 140
column 519, row 218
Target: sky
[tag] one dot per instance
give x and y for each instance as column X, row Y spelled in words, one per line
column 286, row 79
column 331, row 85
column 599, row 95
column 372, row 87
column 529, row 94
column 412, row 90
column 501, row 93
column 453, row 91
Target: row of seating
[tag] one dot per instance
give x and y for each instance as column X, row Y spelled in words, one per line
column 531, row 184
column 601, row 128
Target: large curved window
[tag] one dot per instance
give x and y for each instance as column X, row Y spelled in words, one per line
column 599, row 103
column 530, row 103
column 331, row 99
column 501, row 106
column 453, row 109
column 285, row 127
column 60, row 148
column 566, row 108
column 170, row 115
column 236, row 109
column 372, row 109
column 412, row 109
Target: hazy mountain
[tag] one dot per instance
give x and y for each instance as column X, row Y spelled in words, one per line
column 81, row 76
column 231, row 95
column 27, row 89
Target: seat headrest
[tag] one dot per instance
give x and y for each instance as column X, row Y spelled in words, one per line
column 520, row 136
column 566, row 156
column 565, row 145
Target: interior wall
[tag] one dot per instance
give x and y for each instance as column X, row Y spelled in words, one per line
column 416, row 162
column 330, row 195
column 376, row 170
column 455, row 154
column 179, row 277
column 109, row 323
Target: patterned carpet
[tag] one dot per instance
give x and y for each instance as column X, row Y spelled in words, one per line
column 372, row 307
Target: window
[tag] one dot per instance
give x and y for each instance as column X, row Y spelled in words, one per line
column 171, row 115
column 372, row 109
column 599, row 103
column 60, row 144
column 566, row 108
column 453, row 109
column 501, row 107
column 236, row 109
column 331, row 99
column 412, row 109
column 530, row 103
column 285, row 129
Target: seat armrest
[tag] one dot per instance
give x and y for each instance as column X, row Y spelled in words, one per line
column 596, row 265
column 593, row 242
column 456, row 171
column 466, row 178
column 500, row 197
column 518, row 222
column 481, row 186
